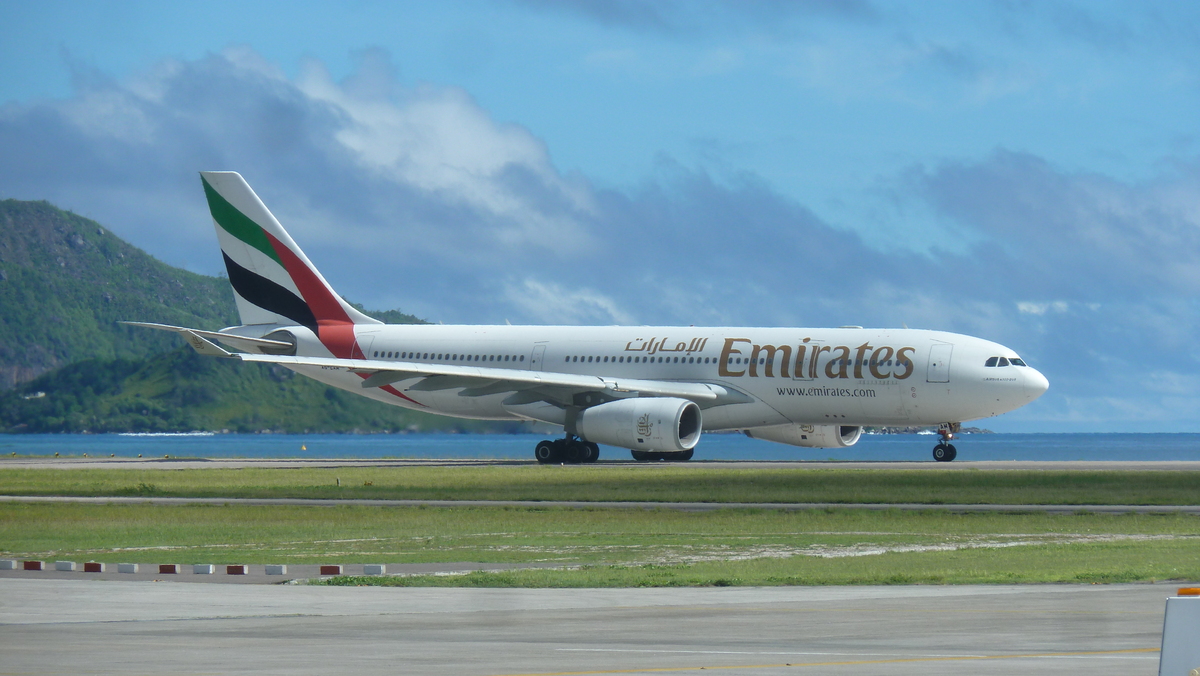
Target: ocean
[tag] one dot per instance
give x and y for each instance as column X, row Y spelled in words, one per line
column 897, row 447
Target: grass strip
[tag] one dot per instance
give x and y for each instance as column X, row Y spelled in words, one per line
column 671, row 483
column 624, row 547
column 1067, row 563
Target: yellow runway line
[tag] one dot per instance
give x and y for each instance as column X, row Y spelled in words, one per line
column 901, row 660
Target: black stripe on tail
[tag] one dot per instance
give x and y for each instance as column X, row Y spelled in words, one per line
column 268, row 295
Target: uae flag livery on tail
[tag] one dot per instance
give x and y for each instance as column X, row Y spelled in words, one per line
column 273, row 281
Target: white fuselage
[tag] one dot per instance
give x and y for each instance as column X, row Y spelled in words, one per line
column 846, row 376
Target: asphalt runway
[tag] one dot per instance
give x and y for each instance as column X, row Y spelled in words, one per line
column 41, row 462
column 82, row 627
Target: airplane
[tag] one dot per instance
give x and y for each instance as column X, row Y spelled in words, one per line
column 653, row 390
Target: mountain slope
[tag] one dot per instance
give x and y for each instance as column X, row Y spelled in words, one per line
column 66, row 365
column 180, row 391
column 65, row 281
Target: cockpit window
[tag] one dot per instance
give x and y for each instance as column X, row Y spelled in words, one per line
column 1015, row 361
column 1003, row 362
column 991, row 361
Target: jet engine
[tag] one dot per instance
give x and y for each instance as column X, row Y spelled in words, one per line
column 809, row 436
column 661, row 424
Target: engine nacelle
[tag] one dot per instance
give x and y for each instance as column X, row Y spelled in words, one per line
column 642, row 424
column 808, row 436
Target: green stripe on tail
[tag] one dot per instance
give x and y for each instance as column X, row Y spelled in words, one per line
column 237, row 224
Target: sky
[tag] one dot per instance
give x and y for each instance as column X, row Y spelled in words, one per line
column 1026, row 172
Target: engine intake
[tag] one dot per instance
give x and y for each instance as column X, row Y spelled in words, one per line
column 642, row 424
column 808, row 436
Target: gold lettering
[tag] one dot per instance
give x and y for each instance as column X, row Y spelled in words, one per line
column 800, row 354
column 841, row 362
column 812, row 366
column 726, row 353
column 903, row 360
column 858, row 361
column 877, row 358
column 769, row 351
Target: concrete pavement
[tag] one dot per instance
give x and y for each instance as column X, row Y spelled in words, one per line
column 82, row 627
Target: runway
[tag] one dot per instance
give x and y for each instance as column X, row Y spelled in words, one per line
column 43, row 462
column 81, row 627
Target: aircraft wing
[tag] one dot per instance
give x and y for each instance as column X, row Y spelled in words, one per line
column 482, row 380
column 474, row 381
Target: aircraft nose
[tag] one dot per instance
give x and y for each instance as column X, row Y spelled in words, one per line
column 1035, row 383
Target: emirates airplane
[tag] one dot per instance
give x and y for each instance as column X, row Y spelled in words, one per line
column 653, row 390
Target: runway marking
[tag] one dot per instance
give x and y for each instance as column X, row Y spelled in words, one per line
column 725, row 652
column 1103, row 654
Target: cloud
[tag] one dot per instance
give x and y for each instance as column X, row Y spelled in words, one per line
column 416, row 197
column 1040, row 309
column 1076, row 235
column 550, row 303
column 710, row 16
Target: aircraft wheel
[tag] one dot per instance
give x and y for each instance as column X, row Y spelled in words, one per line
column 944, row 452
column 545, row 452
column 681, row 456
column 575, row 451
column 686, row 455
column 591, row 452
column 642, row 456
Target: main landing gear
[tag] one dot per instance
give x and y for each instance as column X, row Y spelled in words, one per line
column 572, row 449
column 945, row 451
column 650, row 456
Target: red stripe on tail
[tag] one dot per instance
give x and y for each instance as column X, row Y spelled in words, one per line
column 335, row 329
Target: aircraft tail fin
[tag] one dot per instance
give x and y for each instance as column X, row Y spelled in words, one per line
column 273, row 281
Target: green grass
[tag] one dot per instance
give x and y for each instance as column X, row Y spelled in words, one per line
column 655, row 483
column 1079, row 563
column 625, row 547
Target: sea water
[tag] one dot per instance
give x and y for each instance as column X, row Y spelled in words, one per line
column 894, row 447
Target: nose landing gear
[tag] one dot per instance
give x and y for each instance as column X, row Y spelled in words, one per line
column 570, row 450
column 945, row 451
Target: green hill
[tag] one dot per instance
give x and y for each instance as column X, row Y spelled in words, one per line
column 65, row 281
column 66, row 365
column 180, row 391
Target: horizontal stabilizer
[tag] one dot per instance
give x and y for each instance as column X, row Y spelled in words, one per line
column 239, row 342
column 195, row 338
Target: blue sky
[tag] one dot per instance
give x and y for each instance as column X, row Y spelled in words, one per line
column 1027, row 172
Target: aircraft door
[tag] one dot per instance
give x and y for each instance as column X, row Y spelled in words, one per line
column 362, row 346
column 535, row 360
column 939, row 363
